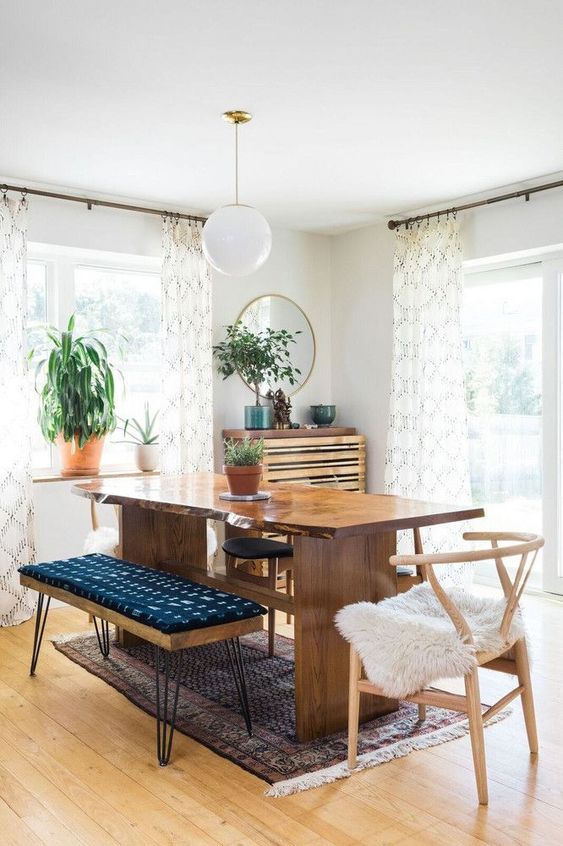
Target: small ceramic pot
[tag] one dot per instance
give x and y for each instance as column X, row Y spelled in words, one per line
column 243, row 481
column 146, row 457
column 80, row 462
column 323, row 415
column 258, row 416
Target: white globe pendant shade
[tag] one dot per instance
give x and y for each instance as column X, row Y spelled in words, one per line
column 237, row 240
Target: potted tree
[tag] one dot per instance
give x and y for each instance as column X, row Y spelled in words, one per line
column 259, row 357
column 145, row 439
column 243, row 465
column 77, row 406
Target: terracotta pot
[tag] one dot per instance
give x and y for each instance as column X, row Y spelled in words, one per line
column 80, row 462
column 243, row 481
column 146, row 457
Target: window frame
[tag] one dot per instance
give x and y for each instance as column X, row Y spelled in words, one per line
column 60, row 265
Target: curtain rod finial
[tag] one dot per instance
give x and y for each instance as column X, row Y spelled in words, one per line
column 392, row 224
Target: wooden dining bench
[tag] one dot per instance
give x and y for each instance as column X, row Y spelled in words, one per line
column 166, row 610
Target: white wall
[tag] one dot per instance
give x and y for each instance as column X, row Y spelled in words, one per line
column 362, row 334
column 362, row 283
column 299, row 267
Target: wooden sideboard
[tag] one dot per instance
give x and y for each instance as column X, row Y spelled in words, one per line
column 327, row 457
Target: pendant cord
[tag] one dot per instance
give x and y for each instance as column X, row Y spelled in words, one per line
column 236, row 163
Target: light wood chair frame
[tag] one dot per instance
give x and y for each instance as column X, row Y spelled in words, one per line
column 511, row 658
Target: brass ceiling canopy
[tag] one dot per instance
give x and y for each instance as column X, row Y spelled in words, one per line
column 237, row 116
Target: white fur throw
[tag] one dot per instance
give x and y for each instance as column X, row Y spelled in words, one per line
column 408, row 642
column 104, row 540
column 211, row 542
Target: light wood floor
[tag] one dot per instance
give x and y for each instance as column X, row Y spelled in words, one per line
column 77, row 766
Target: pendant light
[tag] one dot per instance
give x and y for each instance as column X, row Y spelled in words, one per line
column 237, row 239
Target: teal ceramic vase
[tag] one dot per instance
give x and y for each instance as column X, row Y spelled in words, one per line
column 258, row 417
column 323, row 415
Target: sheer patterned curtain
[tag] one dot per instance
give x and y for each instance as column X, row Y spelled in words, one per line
column 16, row 504
column 186, row 442
column 427, row 449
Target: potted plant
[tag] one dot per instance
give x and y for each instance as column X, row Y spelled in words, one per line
column 243, row 465
column 144, row 438
column 77, row 407
column 259, row 357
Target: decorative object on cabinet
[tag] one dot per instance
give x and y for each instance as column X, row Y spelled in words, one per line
column 143, row 436
column 323, row 415
column 274, row 311
column 282, row 409
column 237, row 238
column 330, row 457
column 77, row 405
column 243, row 465
column 257, row 357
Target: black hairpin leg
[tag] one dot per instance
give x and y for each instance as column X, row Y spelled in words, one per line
column 164, row 732
column 40, row 620
column 234, row 652
column 102, row 634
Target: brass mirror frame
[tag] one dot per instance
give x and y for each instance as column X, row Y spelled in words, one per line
column 297, row 306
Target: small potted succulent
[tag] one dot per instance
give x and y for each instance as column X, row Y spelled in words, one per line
column 145, row 439
column 243, row 465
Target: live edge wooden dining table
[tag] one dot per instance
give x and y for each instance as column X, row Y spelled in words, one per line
column 342, row 544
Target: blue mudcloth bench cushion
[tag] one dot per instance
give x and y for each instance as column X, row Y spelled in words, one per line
column 162, row 600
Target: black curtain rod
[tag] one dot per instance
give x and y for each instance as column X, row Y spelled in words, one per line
column 525, row 192
column 89, row 201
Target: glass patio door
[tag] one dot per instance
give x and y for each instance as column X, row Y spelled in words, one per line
column 502, row 326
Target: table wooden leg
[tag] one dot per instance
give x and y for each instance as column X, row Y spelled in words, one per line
column 329, row 574
column 163, row 540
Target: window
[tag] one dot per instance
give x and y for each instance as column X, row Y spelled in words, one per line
column 117, row 293
column 502, row 331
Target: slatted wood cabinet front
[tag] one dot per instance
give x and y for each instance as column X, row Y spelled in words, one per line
column 325, row 460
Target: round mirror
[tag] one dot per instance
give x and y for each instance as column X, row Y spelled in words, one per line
column 277, row 312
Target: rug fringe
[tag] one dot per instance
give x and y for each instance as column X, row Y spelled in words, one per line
column 65, row 638
column 373, row 759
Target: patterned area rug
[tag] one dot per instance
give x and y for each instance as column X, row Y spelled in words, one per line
column 208, row 711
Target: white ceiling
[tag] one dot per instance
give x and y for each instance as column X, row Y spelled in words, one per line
column 362, row 108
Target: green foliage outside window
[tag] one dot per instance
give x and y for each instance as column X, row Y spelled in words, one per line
column 499, row 380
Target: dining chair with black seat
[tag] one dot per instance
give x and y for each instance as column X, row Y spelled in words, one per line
column 278, row 557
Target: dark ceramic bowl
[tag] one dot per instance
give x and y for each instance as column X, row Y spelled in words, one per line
column 323, row 415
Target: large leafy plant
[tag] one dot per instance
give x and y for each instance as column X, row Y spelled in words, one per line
column 77, row 397
column 258, row 357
